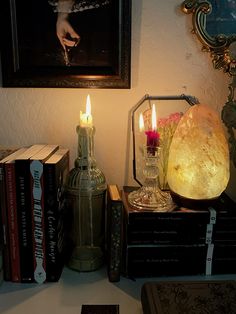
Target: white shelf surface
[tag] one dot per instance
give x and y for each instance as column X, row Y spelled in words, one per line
column 75, row 289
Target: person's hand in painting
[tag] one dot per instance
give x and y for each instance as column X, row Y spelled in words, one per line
column 65, row 32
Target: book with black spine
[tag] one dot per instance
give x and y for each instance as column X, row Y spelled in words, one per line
column 164, row 260
column 23, row 189
column 55, row 169
column 151, row 219
column 114, row 232
column 37, row 209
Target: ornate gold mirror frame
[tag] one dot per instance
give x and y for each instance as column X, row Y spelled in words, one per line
column 222, row 49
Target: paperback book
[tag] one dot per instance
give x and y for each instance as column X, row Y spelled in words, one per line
column 23, row 192
column 12, row 215
column 37, row 162
column 4, row 240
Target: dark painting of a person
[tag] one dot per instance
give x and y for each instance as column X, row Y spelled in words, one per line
column 68, row 33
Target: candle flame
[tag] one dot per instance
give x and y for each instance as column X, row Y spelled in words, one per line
column 86, row 119
column 154, row 118
column 88, row 106
column 141, row 123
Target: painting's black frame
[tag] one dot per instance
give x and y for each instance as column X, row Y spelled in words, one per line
column 14, row 76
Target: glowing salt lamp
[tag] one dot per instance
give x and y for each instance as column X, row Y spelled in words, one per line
column 198, row 166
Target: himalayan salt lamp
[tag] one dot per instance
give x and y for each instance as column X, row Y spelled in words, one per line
column 198, row 166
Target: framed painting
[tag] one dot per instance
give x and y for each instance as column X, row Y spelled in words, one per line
column 66, row 43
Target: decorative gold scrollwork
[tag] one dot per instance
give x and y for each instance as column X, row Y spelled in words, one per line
column 222, row 49
column 219, row 45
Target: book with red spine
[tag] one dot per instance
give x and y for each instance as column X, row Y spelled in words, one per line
column 10, row 185
column 37, row 210
column 6, row 154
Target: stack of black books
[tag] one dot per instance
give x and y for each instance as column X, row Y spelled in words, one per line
column 182, row 242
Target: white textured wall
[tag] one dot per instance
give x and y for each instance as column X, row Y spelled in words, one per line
column 166, row 60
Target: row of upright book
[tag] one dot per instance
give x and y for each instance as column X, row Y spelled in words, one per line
column 182, row 242
column 33, row 213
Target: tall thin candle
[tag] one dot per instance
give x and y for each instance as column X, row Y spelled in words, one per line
column 152, row 135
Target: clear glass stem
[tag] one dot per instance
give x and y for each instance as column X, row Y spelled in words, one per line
column 150, row 196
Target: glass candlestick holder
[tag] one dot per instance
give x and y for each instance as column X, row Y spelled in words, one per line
column 150, row 196
column 85, row 190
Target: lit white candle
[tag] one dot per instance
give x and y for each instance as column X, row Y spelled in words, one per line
column 86, row 119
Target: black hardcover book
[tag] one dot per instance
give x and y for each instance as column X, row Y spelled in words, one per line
column 223, row 266
column 22, row 165
column 114, row 232
column 166, row 234
column 165, row 260
column 182, row 242
column 172, row 227
column 177, row 297
column 56, row 169
column 150, row 227
column 224, row 231
column 223, row 258
column 150, row 219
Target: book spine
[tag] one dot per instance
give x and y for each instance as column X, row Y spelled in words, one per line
column 169, row 260
column 169, row 219
column 114, row 238
column 55, row 217
column 152, row 219
column 12, row 222
column 51, row 221
column 24, row 220
column 5, row 231
column 37, row 199
column 53, row 183
column 165, row 235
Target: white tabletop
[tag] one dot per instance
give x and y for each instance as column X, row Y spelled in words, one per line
column 75, row 289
